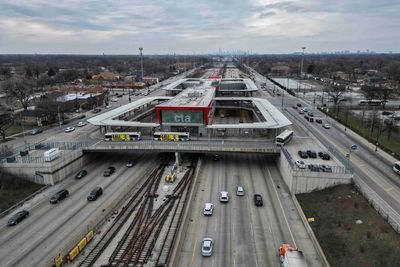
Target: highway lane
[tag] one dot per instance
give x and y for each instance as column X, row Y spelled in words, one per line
column 244, row 235
column 49, row 228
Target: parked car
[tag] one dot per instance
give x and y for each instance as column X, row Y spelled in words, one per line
column 18, row 217
column 114, row 99
column 60, row 195
column 318, row 121
column 298, row 105
column 69, row 129
column 36, row 131
column 208, row 209
column 310, row 114
column 81, row 123
column 130, row 164
column 302, row 154
column 82, row 116
column 96, row 110
column 110, row 170
column 223, row 197
column 324, row 156
column 326, row 126
column 258, row 201
column 239, row 191
column 313, row 167
column 207, row 247
column 312, row 154
column 215, row 157
column 81, row 174
column 95, row 193
column 301, row 111
column 300, row 164
column 325, row 168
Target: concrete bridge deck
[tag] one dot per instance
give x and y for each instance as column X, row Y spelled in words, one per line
column 194, row 146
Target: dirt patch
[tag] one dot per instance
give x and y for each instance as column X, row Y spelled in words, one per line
column 346, row 243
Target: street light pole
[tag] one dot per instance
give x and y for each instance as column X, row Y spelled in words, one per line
column 302, row 60
column 141, row 60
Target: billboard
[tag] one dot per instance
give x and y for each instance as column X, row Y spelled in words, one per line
column 182, row 117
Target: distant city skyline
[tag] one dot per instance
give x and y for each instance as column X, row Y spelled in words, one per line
column 198, row 27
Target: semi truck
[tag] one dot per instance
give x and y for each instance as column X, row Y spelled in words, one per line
column 291, row 257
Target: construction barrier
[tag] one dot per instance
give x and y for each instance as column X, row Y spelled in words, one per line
column 78, row 248
column 58, row 261
column 89, row 236
column 82, row 244
column 73, row 253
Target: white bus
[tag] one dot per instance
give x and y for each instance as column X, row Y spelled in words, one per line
column 123, row 136
column 396, row 167
column 284, row 137
column 171, row 136
column 372, row 102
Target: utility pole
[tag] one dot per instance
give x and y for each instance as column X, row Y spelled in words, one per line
column 302, row 61
column 141, row 60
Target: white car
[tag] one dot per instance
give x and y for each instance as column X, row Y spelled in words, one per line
column 114, row 99
column 70, row 129
column 207, row 247
column 326, row 126
column 81, row 124
column 108, row 106
column 240, row 191
column 208, row 209
column 223, row 196
column 300, row 164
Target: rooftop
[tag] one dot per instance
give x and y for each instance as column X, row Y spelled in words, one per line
column 196, row 96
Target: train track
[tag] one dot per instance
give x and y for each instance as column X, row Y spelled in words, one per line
column 149, row 237
column 152, row 227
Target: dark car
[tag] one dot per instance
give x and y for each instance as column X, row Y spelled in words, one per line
column 98, row 191
column 36, row 131
column 60, row 195
column 325, row 168
column 110, row 170
column 81, row 174
column 324, row 156
column 215, row 157
column 318, row 121
column 130, row 164
column 298, row 104
column 18, row 217
column 258, row 201
column 312, row 154
column 82, row 116
column 303, row 154
column 310, row 114
column 96, row 110
column 313, row 168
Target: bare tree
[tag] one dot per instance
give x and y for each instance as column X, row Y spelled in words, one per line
column 6, row 121
column 22, row 90
column 370, row 92
column 336, row 93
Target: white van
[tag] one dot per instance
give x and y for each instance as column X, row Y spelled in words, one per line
column 51, row 154
column 223, row 197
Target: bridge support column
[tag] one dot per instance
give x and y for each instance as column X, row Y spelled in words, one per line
column 178, row 160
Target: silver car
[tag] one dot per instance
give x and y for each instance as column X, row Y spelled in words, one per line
column 207, row 247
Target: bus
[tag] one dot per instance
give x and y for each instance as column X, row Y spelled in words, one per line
column 123, row 136
column 372, row 102
column 284, row 137
column 396, row 167
column 171, row 136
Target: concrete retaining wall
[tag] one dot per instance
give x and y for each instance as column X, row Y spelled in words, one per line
column 49, row 173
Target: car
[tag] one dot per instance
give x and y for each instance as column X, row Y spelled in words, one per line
column 18, row 217
column 324, row 156
column 81, row 123
column 215, row 157
column 302, row 154
column 239, row 190
column 114, row 99
column 130, row 164
column 82, row 116
column 207, row 247
column 36, row 131
column 224, row 197
column 81, row 174
column 318, row 121
column 294, row 107
column 298, row 105
column 301, row 111
column 96, row 110
column 95, row 193
column 208, row 209
column 325, row 168
column 313, row 167
column 110, row 170
column 326, row 126
column 312, row 154
column 310, row 114
column 60, row 195
column 300, row 164
column 258, row 201
column 69, row 129
column 108, row 106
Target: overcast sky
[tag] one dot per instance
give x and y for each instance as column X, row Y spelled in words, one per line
column 197, row 26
